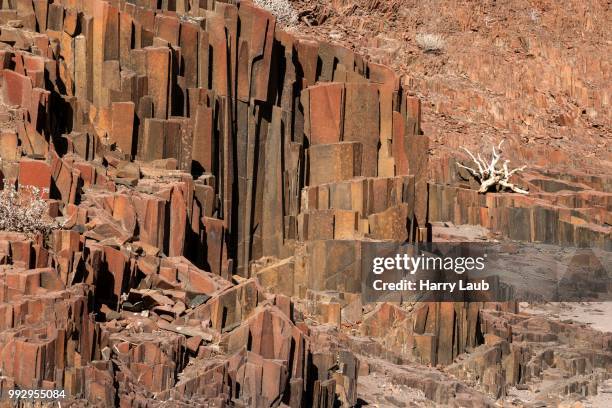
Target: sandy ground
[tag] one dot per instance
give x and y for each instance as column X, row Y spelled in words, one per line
column 603, row 399
column 376, row 390
column 598, row 315
column 526, row 398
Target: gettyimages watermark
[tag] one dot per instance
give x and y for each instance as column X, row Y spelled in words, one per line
column 484, row 272
column 432, row 264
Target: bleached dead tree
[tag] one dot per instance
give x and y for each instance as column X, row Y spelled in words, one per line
column 492, row 174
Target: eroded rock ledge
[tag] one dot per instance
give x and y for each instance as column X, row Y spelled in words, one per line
column 216, row 178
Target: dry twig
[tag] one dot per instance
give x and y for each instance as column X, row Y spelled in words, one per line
column 491, row 174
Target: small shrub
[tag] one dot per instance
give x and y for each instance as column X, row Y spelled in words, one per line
column 24, row 211
column 282, row 9
column 534, row 15
column 430, row 42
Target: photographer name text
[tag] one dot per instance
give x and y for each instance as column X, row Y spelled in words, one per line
column 427, row 285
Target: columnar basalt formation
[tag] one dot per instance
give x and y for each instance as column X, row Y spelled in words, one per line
column 532, row 75
column 252, row 114
column 178, row 145
column 563, row 209
column 217, row 180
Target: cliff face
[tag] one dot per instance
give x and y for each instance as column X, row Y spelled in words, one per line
column 529, row 71
column 177, row 146
column 218, row 181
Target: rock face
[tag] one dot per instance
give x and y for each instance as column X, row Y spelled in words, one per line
column 562, row 209
column 217, row 181
column 535, row 74
column 499, row 75
column 178, row 146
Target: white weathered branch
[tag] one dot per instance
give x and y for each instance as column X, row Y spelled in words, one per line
column 474, row 172
column 490, row 174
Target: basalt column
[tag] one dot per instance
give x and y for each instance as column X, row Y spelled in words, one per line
column 252, row 115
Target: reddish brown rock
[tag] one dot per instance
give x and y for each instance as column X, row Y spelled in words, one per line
column 217, row 194
column 37, row 174
column 334, row 162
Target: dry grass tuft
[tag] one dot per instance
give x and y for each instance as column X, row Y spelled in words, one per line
column 433, row 43
column 24, row 211
column 282, row 9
